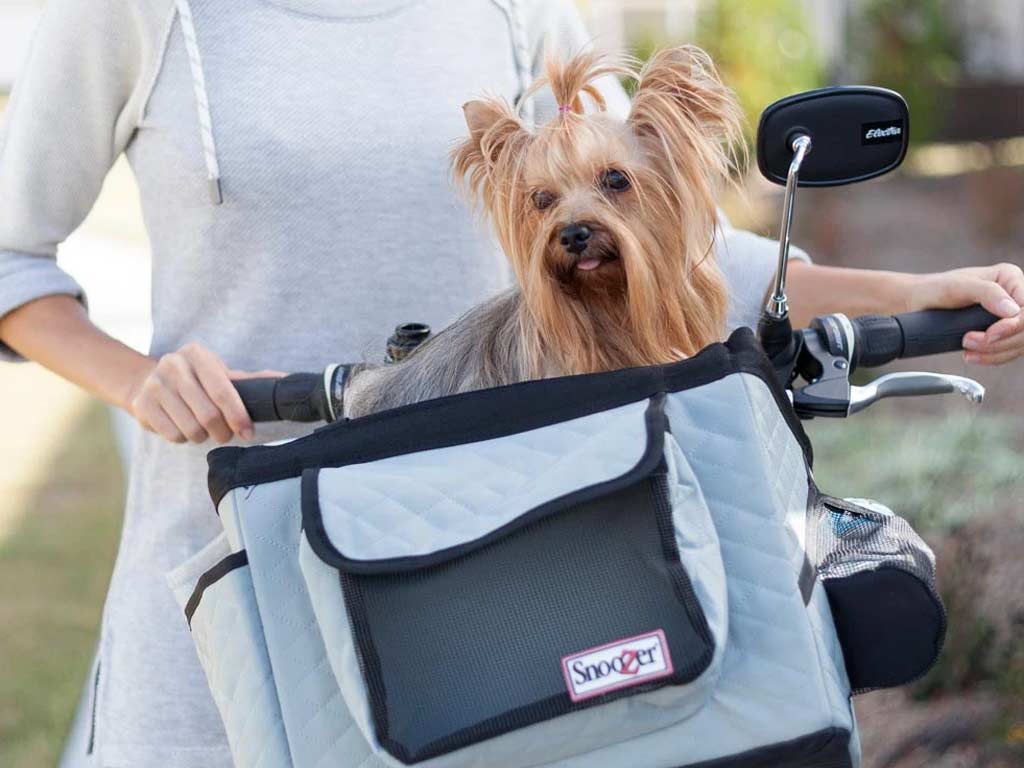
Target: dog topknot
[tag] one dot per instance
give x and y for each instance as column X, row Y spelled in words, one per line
column 570, row 79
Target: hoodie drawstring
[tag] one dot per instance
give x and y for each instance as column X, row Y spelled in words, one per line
column 520, row 54
column 188, row 30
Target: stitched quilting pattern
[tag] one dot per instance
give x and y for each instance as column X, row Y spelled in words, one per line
column 319, row 727
column 423, row 502
column 241, row 682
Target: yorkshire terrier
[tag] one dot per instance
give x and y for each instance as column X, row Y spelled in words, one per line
column 609, row 226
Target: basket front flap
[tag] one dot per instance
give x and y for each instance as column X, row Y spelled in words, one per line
column 420, row 508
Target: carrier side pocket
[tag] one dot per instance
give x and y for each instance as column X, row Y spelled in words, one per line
column 224, row 620
column 879, row 575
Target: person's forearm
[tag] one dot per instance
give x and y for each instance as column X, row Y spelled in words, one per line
column 56, row 332
column 817, row 290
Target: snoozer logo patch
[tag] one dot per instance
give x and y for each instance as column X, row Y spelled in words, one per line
column 621, row 664
column 881, row 133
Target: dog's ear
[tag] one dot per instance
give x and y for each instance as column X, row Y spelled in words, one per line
column 485, row 159
column 683, row 109
column 481, row 114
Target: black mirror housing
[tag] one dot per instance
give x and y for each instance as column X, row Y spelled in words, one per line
column 857, row 133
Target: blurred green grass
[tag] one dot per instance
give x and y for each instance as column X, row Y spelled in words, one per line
column 55, row 567
column 939, row 472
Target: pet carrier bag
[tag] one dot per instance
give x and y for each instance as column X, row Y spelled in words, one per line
column 609, row 570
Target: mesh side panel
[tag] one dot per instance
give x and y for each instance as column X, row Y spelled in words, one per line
column 844, row 538
column 466, row 650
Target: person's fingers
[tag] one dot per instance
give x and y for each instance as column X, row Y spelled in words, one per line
column 1003, row 344
column 997, row 358
column 148, row 412
column 174, row 374
column 213, row 376
column 974, row 341
column 975, row 290
column 155, row 419
column 1005, row 328
column 264, row 374
column 182, row 416
column 197, row 397
column 1011, row 278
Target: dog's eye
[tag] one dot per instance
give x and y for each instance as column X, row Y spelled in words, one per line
column 614, row 180
column 542, row 199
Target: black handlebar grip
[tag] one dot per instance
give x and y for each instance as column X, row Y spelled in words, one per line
column 298, row 397
column 934, row 331
column 258, row 398
column 880, row 339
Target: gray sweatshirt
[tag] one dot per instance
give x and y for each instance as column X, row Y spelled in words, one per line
column 292, row 161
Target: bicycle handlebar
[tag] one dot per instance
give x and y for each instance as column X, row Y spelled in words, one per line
column 877, row 340
column 301, row 397
column 880, row 339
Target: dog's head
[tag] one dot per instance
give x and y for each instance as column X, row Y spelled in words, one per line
column 610, row 225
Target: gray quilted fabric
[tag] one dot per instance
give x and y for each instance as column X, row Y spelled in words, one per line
column 228, row 633
column 320, row 729
column 242, row 682
column 781, row 674
column 435, row 499
column 419, row 503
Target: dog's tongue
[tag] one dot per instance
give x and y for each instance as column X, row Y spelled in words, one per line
column 589, row 263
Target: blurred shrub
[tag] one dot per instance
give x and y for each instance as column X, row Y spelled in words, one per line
column 936, row 472
column 960, row 481
column 764, row 49
column 911, row 46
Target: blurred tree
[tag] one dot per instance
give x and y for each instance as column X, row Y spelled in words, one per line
column 764, row 49
column 912, row 46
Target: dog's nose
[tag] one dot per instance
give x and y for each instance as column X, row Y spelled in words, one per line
column 574, row 237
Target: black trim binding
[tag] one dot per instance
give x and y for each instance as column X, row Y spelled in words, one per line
column 230, row 563
column 492, row 413
column 827, row 748
column 323, row 547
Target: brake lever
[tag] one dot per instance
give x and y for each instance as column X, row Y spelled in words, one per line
column 913, row 384
column 824, row 363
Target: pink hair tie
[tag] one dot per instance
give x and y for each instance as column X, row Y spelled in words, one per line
column 564, row 108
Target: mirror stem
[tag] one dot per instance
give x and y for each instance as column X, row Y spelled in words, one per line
column 778, row 304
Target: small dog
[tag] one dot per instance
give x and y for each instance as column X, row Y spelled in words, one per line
column 609, row 226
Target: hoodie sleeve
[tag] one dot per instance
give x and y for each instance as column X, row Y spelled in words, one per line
column 73, row 110
column 555, row 28
column 748, row 264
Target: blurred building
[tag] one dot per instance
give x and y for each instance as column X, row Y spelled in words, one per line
column 993, row 30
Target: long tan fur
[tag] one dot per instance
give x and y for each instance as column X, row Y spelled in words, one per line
column 676, row 148
column 656, row 295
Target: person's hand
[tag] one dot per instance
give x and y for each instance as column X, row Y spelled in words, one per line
column 1000, row 289
column 188, row 396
